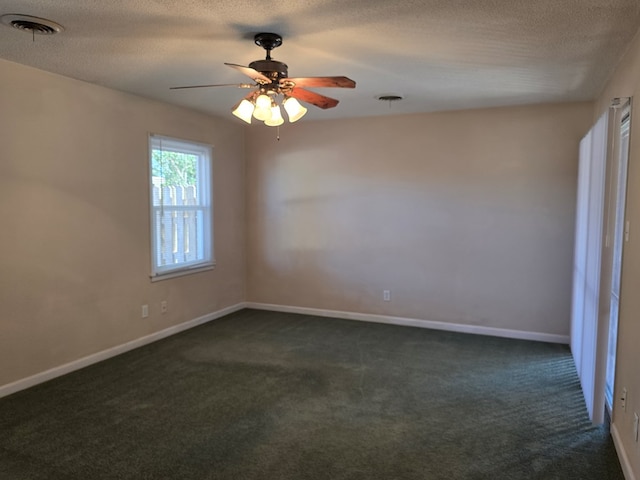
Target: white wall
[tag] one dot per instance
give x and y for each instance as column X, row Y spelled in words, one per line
column 467, row 217
column 74, row 220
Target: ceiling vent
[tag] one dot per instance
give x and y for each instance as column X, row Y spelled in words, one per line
column 390, row 97
column 31, row 25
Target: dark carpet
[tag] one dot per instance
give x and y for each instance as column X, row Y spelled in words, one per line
column 263, row 395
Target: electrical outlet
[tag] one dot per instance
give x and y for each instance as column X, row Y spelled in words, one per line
column 623, row 400
column 145, row 311
column 163, row 306
column 635, row 427
column 386, row 295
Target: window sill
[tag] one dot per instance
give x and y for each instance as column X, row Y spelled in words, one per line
column 181, row 273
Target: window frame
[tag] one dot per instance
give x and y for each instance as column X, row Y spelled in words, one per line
column 204, row 188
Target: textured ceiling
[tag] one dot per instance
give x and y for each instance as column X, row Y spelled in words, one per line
column 439, row 54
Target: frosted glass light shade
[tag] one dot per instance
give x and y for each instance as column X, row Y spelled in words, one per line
column 263, row 107
column 295, row 111
column 244, row 110
column 263, row 101
column 276, row 117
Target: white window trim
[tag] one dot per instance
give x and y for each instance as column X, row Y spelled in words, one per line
column 186, row 268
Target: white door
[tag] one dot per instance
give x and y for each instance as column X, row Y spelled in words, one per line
column 586, row 343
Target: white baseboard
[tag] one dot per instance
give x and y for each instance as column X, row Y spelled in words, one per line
column 366, row 317
column 627, row 469
column 412, row 322
column 112, row 352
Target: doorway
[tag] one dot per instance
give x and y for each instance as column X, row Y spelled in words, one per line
column 619, row 236
column 599, row 239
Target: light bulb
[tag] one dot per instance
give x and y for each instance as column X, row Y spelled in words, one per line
column 263, row 101
column 295, row 111
column 276, row 117
column 243, row 110
column 263, row 107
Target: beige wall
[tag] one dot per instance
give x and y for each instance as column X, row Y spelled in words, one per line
column 74, row 221
column 625, row 83
column 467, row 217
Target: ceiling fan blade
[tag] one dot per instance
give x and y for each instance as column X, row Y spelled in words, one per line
column 239, row 85
column 313, row 98
column 250, row 72
column 337, row 82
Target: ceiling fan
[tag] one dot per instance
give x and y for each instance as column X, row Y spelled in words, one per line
column 272, row 79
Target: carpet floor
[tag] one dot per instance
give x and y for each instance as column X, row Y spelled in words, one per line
column 265, row 395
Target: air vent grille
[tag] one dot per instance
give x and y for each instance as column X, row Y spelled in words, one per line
column 32, row 25
column 390, row 97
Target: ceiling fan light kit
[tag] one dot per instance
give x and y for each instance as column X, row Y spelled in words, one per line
column 272, row 80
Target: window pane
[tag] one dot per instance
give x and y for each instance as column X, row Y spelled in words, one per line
column 181, row 205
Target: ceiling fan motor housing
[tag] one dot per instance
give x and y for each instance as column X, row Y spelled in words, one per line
column 271, row 68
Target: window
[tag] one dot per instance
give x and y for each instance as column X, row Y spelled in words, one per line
column 181, row 213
